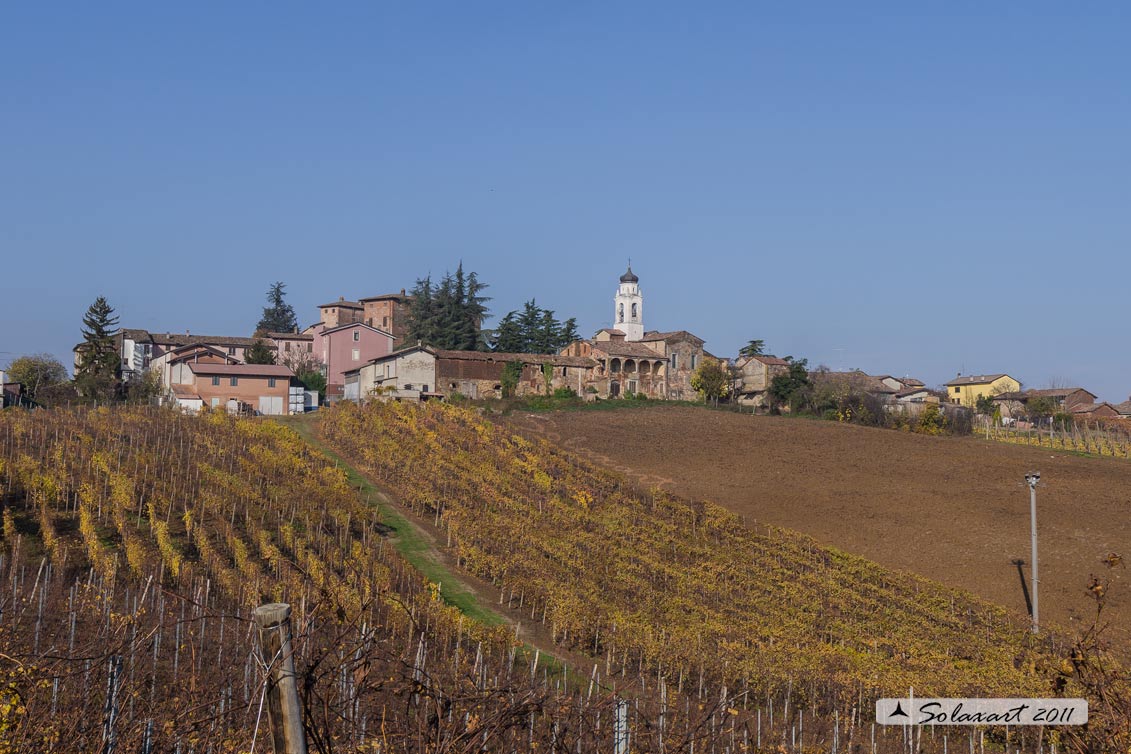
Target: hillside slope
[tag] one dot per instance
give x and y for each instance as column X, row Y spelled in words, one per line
column 955, row 510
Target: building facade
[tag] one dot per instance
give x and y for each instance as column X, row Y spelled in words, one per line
column 347, row 347
column 259, row 388
column 630, row 360
column 965, row 391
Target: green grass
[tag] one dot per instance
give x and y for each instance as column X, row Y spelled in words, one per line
column 407, row 538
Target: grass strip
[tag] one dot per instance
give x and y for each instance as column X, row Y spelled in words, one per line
column 408, row 539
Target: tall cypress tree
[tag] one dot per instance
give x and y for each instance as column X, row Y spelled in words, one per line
column 96, row 374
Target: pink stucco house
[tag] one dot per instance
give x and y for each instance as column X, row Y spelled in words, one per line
column 347, row 347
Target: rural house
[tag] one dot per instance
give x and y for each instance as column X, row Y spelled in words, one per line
column 138, row 348
column 1066, row 400
column 753, row 377
column 899, row 383
column 263, row 388
column 965, row 391
column 345, row 348
column 423, row 372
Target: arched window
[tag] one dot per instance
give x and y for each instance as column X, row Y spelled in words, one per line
column 634, row 311
column 620, row 313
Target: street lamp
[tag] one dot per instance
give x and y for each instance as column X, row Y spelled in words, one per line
column 1032, row 478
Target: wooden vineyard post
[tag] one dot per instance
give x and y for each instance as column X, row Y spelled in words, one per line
column 283, row 709
column 620, row 728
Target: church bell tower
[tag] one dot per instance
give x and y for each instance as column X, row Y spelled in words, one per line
column 628, row 315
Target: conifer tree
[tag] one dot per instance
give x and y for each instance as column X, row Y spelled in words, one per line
column 97, row 370
column 279, row 316
column 449, row 315
column 259, row 353
column 533, row 330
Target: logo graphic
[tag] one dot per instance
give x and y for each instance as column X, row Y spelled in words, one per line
column 899, row 711
column 1019, row 711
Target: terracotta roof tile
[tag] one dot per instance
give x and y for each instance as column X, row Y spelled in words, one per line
column 981, row 379
column 238, row 370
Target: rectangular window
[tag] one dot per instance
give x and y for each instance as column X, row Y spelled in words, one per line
column 234, row 381
column 424, row 388
column 675, row 361
column 215, row 402
column 958, row 390
column 356, row 336
column 356, row 354
column 215, row 381
column 231, row 350
column 270, row 382
column 384, row 322
column 408, row 387
column 692, row 361
column 287, row 346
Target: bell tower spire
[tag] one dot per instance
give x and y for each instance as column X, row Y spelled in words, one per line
column 628, row 314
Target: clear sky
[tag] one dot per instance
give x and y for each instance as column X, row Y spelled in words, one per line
column 906, row 188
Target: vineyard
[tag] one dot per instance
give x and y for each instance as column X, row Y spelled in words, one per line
column 677, row 595
column 1110, row 440
column 135, row 543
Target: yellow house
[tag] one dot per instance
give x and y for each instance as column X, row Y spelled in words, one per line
column 966, row 391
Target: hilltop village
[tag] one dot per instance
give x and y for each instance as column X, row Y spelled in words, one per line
column 362, row 350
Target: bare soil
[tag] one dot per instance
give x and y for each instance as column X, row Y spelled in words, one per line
column 953, row 509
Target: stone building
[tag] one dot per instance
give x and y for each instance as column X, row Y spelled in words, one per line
column 629, row 359
column 389, row 312
column 753, row 377
column 423, row 372
column 340, row 312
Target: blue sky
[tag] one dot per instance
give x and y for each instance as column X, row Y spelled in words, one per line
column 907, row 188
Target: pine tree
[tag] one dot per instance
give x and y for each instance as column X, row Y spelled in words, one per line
column 96, row 374
column 507, row 337
column 475, row 310
column 422, row 314
column 568, row 333
column 533, row 330
column 548, row 334
column 279, row 316
column 449, row 315
column 259, row 353
column 753, row 348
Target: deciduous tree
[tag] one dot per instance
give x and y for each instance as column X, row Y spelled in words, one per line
column 790, row 388
column 711, row 380
column 36, row 373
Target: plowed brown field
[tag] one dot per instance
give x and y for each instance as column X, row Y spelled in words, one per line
column 955, row 510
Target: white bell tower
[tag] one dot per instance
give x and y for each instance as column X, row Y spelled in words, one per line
column 628, row 315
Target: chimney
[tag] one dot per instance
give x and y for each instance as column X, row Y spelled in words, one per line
column 402, row 291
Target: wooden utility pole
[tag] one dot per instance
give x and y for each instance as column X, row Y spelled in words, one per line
column 283, row 709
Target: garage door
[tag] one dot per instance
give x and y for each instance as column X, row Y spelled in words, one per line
column 271, row 405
